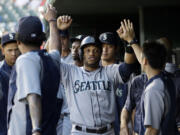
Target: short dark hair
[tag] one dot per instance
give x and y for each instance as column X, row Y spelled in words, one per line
column 31, row 41
column 155, row 53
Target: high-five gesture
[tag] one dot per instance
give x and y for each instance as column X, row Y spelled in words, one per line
column 50, row 14
column 64, row 22
column 126, row 31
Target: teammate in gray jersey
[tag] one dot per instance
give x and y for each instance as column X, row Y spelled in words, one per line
column 158, row 98
column 90, row 90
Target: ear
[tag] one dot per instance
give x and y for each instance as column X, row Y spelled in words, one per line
column 18, row 43
column 145, row 61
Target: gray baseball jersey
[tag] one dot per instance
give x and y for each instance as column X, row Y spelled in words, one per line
column 91, row 95
column 30, row 84
column 68, row 59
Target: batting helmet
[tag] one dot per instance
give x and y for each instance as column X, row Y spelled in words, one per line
column 77, row 38
column 89, row 40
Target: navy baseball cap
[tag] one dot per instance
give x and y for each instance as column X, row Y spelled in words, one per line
column 29, row 27
column 108, row 38
column 8, row 38
column 77, row 38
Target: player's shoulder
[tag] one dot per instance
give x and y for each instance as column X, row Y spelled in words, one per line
column 156, row 85
column 110, row 67
column 70, row 66
column 29, row 56
column 140, row 79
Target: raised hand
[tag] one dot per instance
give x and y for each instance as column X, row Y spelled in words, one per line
column 50, row 14
column 64, row 22
column 126, row 30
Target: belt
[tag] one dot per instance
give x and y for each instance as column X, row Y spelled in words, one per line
column 97, row 131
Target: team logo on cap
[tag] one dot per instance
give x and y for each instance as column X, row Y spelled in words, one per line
column 104, row 37
column 11, row 36
column 33, row 35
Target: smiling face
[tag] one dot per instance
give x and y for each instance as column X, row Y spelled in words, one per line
column 92, row 55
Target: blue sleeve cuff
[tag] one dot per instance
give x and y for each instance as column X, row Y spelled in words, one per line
column 126, row 70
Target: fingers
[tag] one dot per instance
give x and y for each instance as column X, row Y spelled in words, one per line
column 65, row 19
column 50, row 7
column 123, row 26
column 126, row 25
column 132, row 27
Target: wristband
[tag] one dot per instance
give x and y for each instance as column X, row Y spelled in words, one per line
column 134, row 41
column 52, row 20
column 36, row 130
column 129, row 49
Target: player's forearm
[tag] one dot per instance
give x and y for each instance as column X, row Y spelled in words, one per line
column 129, row 58
column 35, row 108
column 151, row 131
column 138, row 51
column 124, row 118
column 54, row 40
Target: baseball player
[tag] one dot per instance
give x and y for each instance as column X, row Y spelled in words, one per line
column 10, row 51
column 109, row 46
column 136, row 90
column 90, row 90
column 34, row 84
column 159, row 91
column 76, row 42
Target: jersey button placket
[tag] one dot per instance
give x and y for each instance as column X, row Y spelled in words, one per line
column 96, row 108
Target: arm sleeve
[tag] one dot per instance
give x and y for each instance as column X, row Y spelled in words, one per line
column 154, row 108
column 55, row 55
column 28, row 77
column 130, row 103
column 113, row 73
column 125, row 70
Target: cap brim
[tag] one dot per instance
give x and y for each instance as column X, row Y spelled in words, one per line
column 105, row 42
column 12, row 41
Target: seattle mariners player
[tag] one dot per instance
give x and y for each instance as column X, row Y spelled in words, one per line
column 76, row 42
column 109, row 56
column 159, row 91
column 34, row 86
column 10, row 51
column 90, row 90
